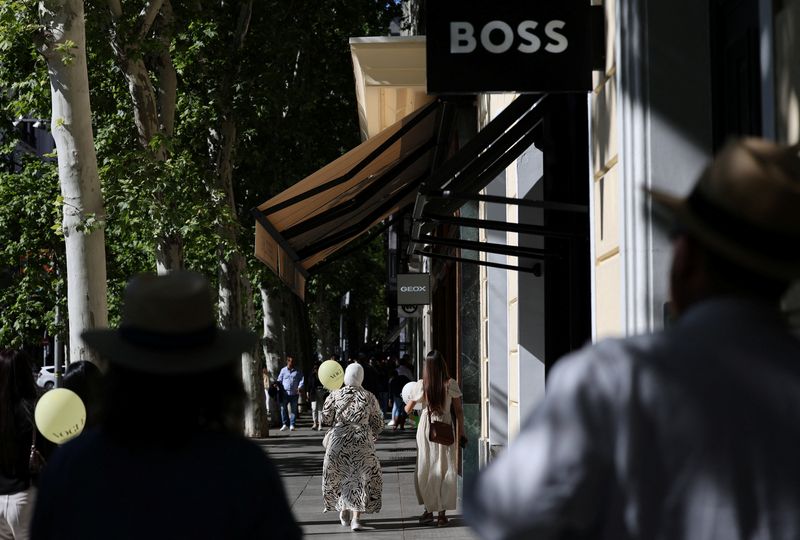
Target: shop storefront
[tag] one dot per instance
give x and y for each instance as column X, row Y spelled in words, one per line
column 524, row 203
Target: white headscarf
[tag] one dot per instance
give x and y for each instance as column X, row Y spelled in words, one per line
column 354, row 374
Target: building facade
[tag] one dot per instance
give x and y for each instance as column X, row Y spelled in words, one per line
column 530, row 212
column 681, row 79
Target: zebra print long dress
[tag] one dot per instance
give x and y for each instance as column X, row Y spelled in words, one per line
column 351, row 473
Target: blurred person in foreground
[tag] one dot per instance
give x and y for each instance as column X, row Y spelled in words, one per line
column 694, row 431
column 167, row 460
column 18, row 431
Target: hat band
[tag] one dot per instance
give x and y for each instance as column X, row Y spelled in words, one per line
column 773, row 244
column 168, row 341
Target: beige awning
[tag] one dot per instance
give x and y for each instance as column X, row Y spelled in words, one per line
column 298, row 228
column 389, row 73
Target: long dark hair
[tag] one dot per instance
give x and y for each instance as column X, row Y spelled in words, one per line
column 17, row 399
column 434, row 380
column 85, row 379
column 154, row 409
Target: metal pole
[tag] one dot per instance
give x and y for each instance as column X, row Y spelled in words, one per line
column 58, row 346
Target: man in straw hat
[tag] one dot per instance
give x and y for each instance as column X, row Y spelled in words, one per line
column 167, row 460
column 692, row 432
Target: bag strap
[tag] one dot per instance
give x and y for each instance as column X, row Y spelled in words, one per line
column 446, row 391
column 33, row 435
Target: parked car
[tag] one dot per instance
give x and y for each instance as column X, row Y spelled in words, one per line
column 47, row 377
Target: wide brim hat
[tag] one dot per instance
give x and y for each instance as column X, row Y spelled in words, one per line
column 746, row 207
column 168, row 327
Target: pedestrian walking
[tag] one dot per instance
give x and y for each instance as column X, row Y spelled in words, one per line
column 396, row 385
column 371, row 377
column 17, row 434
column 691, row 432
column 404, row 367
column 436, row 470
column 383, row 372
column 167, row 460
column 316, row 395
column 352, row 481
column 291, row 381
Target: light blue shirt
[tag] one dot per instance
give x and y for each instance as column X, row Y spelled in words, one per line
column 292, row 380
column 690, row 433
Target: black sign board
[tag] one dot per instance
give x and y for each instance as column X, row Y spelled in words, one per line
column 513, row 45
column 413, row 289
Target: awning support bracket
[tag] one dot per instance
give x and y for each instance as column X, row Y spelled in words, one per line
column 535, row 269
column 544, row 205
column 523, row 228
column 490, row 247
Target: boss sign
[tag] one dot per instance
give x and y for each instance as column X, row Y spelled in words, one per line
column 512, row 46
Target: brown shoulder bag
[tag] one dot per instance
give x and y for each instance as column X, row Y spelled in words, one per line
column 440, row 432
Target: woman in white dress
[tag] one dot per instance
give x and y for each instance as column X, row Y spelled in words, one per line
column 351, row 474
column 436, row 474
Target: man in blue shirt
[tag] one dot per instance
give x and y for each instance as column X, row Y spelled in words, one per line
column 291, row 380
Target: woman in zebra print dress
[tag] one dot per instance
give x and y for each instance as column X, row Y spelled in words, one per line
column 351, row 474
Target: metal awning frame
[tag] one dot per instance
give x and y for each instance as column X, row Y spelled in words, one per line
column 490, row 247
column 523, row 228
column 482, row 158
column 535, row 269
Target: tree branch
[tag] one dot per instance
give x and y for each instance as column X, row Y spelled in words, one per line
column 116, row 8
column 146, row 18
column 167, row 75
column 243, row 24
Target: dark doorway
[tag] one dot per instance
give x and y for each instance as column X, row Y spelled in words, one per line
column 736, row 69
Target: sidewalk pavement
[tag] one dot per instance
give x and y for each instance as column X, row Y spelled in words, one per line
column 299, row 454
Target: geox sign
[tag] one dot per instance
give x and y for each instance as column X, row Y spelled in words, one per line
column 413, row 289
column 513, row 46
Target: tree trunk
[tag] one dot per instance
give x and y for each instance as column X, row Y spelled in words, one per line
column 256, row 424
column 236, row 308
column 169, row 254
column 269, row 346
column 270, row 341
column 83, row 213
column 153, row 109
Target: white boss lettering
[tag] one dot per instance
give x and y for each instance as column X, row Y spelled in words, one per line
column 486, row 38
column 498, row 37
column 560, row 40
column 530, row 41
column 462, row 38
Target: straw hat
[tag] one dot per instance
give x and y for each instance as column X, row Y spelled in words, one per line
column 746, row 206
column 168, row 327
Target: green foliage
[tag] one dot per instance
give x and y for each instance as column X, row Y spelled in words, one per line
column 363, row 274
column 31, row 252
column 290, row 92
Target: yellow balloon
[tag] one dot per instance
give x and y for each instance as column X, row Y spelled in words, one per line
column 331, row 375
column 60, row 415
